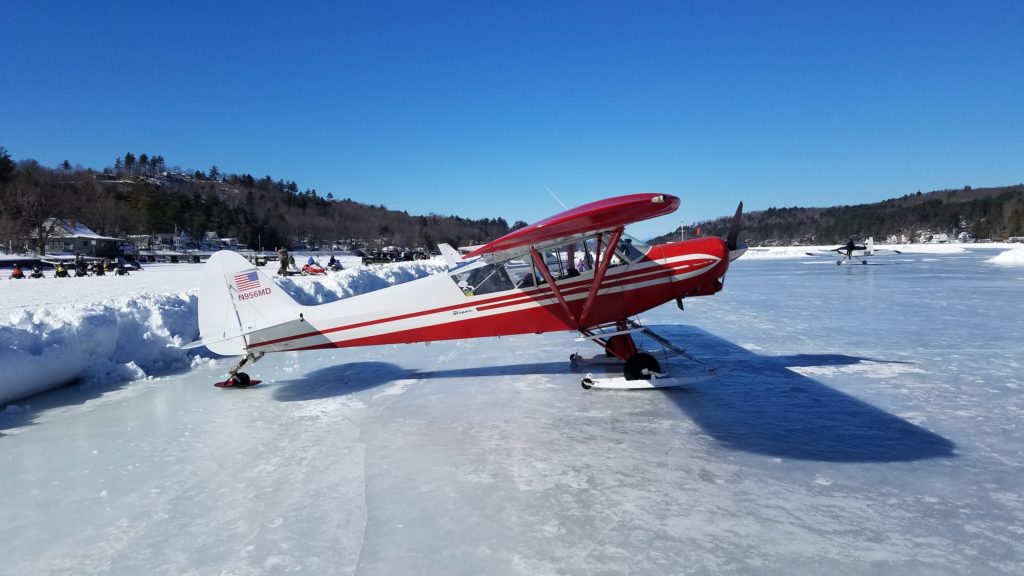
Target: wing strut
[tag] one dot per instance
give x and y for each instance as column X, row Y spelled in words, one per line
column 602, row 267
column 554, row 288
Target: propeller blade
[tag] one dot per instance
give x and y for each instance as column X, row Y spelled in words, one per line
column 734, row 229
column 736, row 248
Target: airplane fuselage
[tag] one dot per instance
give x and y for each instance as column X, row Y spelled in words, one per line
column 435, row 308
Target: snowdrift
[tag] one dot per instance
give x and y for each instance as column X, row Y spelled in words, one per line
column 759, row 252
column 138, row 335
column 1011, row 257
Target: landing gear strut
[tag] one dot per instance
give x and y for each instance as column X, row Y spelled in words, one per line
column 238, row 379
column 640, row 370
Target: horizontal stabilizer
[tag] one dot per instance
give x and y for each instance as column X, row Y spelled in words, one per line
column 194, row 344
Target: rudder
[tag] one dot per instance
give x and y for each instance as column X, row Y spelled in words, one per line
column 236, row 298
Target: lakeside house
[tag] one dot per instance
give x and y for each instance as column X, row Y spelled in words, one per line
column 77, row 238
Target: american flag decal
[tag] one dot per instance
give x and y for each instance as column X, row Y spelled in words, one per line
column 247, row 281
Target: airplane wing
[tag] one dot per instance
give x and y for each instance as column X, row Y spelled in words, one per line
column 601, row 215
column 827, row 251
column 860, row 252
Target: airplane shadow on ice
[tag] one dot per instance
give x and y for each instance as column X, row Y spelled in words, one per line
column 757, row 405
column 760, row 405
column 358, row 376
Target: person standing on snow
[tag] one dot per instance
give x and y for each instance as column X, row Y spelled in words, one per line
column 282, row 256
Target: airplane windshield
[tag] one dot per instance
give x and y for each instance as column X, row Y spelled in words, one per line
column 631, row 249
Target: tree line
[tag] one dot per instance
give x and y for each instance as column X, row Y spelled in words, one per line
column 140, row 195
column 984, row 213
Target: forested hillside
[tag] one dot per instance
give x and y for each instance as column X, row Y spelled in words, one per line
column 142, row 195
column 983, row 213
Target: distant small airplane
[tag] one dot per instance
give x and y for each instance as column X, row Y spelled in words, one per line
column 852, row 251
column 576, row 270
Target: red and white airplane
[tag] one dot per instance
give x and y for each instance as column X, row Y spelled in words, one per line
column 576, row 270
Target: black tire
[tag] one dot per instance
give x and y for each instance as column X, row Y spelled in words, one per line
column 241, row 379
column 634, row 368
column 587, row 383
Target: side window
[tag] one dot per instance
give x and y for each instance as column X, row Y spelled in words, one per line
column 484, row 280
column 617, row 256
column 571, row 259
column 520, row 271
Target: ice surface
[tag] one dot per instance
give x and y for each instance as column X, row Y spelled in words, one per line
column 868, row 421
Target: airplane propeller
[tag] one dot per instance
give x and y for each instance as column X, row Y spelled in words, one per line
column 736, row 248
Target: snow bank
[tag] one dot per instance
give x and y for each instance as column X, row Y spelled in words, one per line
column 1011, row 257
column 129, row 338
column 311, row 290
column 759, row 253
column 138, row 334
column 927, row 248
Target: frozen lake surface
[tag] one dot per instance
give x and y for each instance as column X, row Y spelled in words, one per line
column 869, row 420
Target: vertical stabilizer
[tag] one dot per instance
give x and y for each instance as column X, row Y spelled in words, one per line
column 237, row 298
column 451, row 255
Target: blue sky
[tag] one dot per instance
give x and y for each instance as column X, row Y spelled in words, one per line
column 477, row 108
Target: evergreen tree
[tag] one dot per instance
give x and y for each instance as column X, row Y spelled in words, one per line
column 6, row 165
column 129, row 163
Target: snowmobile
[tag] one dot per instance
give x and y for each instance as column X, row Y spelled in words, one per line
column 313, row 270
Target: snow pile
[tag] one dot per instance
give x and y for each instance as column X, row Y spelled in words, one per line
column 762, row 252
column 129, row 338
column 759, row 253
column 1011, row 257
column 926, row 248
column 138, row 334
column 310, row 290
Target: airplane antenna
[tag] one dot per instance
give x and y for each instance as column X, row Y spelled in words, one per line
column 564, row 207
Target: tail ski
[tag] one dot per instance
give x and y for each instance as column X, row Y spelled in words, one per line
column 235, row 299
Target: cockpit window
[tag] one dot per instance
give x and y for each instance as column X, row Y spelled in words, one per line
column 484, row 280
column 631, row 249
column 569, row 260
